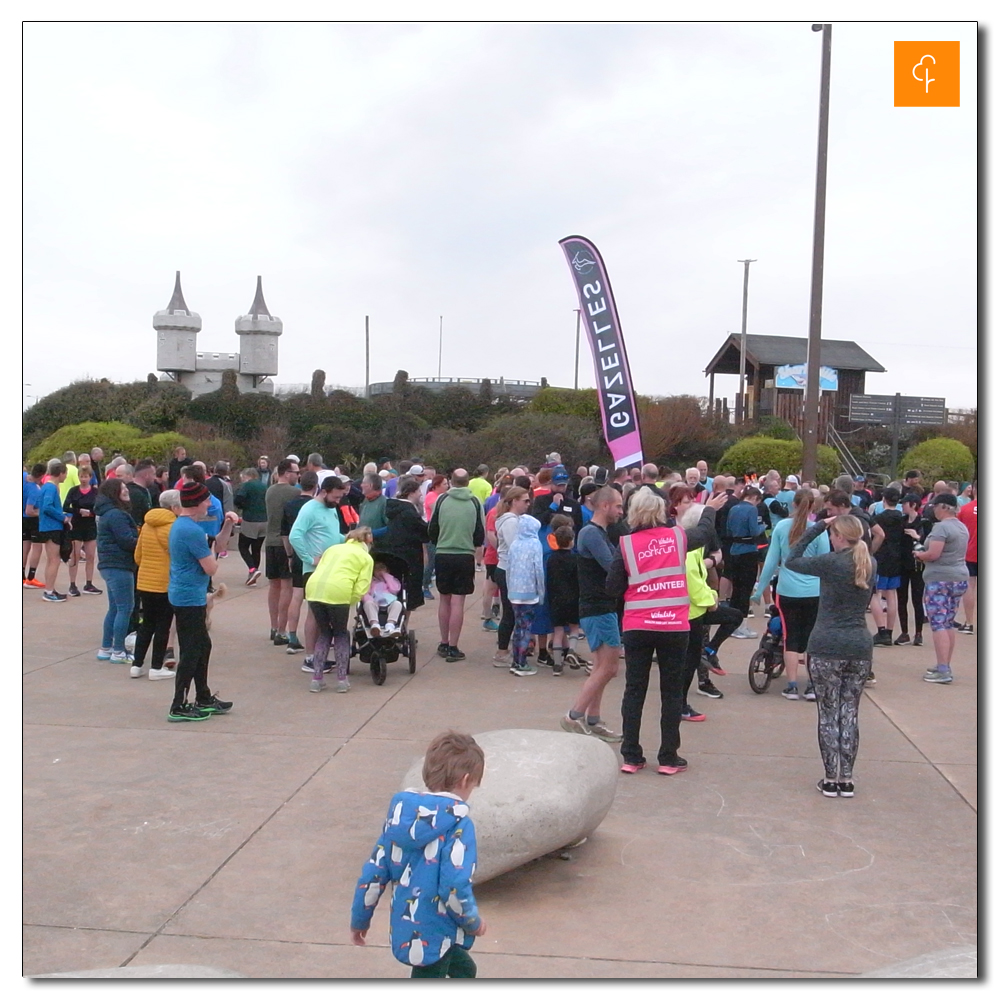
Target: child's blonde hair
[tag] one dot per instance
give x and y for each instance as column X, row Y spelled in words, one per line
column 450, row 757
column 362, row 534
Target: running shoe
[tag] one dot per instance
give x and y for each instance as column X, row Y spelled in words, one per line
column 294, row 647
column 902, row 640
column 280, row 639
column 673, row 766
column 918, row 640
column 252, row 577
column 490, row 625
column 791, row 692
column 187, row 713
column 89, row 588
column 939, row 675
column 603, row 732
column 690, row 715
column 528, row 670
column 845, row 789
column 316, row 686
column 810, row 693
column 136, row 671
column 628, row 768
column 74, row 592
column 744, row 633
column 343, row 686
column 545, row 659
column 574, row 725
column 572, row 661
column 965, row 629
column 120, row 656
column 709, row 690
column 104, row 653
column 454, row 655
column 712, row 659
column 161, row 674
column 169, row 660
column 501, row 659
column 52, row 595
column 830, row 789
column 443, row 649
column 214, row 705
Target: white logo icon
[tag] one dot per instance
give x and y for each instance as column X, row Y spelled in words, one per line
column 926, row 79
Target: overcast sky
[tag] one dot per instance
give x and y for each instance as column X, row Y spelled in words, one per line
column 413, row 171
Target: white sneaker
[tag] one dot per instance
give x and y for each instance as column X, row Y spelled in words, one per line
column 120, row 657
column 343, row 686
column 135, row 671
column 744, row 633
column 163, row 674
column 376, row 630
column 104, row 653
column 502, row 660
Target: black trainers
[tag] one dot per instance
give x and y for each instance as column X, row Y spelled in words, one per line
column 91, row 589
column 883, row 637
column 918, row 640
column 443, row 650
column 454, row 654
column 544, row 659
column 845, row 789
column 902, row 640
column 294, row 647
column 187, row 713
column 280, row 639
column 709, row 690
column 73, row 592
column 829, row 788
column 214, row 706
column 274, row 632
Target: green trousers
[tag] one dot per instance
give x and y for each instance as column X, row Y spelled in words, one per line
column 455, row 964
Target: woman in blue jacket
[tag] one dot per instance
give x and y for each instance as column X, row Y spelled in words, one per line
column 797, row 595
column 116, row 538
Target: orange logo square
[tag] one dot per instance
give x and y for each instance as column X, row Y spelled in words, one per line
column 925, row 75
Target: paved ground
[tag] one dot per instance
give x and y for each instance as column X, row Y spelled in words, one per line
column 236, row 842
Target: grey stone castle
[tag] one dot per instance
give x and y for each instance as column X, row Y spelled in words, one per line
column 178, row 357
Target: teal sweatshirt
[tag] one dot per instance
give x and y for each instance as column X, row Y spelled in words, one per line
column 789, row 584
column 316, row 528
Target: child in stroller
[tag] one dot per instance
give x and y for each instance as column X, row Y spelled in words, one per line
column 768, row 661
column 382, row 594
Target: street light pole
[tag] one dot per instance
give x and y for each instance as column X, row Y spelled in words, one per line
column 576, row 364
column 810, row 441
column 743, row 340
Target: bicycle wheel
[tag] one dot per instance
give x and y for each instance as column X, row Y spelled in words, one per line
column 759, row 672
column 411, row 642
column 378, row 668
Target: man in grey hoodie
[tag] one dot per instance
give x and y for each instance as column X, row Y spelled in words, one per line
column 457, row 528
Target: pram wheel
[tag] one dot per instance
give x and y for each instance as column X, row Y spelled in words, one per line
column 411, row 648
column 760, row 671
column 378, row 668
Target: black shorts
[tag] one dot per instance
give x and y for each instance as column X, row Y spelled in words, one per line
column 454, row 573
column 50, row 536
column 29, row 529
column 491, row 572
column 564, row 614
column 726, row 572
column 85, row 531
column 798, row 616
column 276, row 564
column 972, row 567
column 298, row 578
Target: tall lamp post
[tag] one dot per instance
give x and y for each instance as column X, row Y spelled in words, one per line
column 743, row 340
column 811, row 422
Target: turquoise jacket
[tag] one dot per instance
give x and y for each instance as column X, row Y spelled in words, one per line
column 789, row 584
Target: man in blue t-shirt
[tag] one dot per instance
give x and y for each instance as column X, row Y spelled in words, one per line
column 191, row 567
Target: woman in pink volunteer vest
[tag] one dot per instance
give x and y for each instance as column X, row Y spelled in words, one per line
column 649, row 571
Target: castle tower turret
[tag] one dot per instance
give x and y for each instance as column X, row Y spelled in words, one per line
column 259, row 332
column 176, row 335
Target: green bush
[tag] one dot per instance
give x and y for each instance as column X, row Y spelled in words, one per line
column 762, row 453
column 569, row 402
column 111, row 436
column 940, row 458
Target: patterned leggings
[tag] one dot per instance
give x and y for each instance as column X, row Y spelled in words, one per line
column 838, row 685
column 524, row 614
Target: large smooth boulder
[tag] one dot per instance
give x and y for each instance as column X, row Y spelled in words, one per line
column 541, row 791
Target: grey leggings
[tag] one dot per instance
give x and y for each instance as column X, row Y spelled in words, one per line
column 838, row 685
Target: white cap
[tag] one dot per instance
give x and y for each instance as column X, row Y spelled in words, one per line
column 291, row 458
column 416, row 470
column 792, row 479
column 327, row 476
column 384, row 474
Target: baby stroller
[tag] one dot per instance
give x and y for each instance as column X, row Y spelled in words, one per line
column 768, row 661
column 379, row 650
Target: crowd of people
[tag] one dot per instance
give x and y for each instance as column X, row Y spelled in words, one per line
column 579, row 571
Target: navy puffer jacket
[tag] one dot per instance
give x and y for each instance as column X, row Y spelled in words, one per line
column 116, row 536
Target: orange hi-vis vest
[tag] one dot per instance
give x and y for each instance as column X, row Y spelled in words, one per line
column 657, row 594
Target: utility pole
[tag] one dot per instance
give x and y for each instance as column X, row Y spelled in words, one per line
column 368, row 380
column 742, row 413
column 576, row 364
column 440, row 342
column 810, row 442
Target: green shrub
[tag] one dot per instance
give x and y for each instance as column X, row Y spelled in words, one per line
column 940, row 458
column 111, row 436
column 762, row 453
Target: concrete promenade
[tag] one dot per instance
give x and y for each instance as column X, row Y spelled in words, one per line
column 236, row 842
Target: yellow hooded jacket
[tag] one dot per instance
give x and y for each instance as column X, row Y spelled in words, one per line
column 342, row 575
column 701, row 594
column 152, row 551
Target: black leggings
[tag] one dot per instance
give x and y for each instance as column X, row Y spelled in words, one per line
column 506, row 629
column 838, row 685
column 195, row 648
column 154, row 626
column 728, row 619
column 910, row 581
column 670, row 647
column 250, row 551
column 744, row 576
